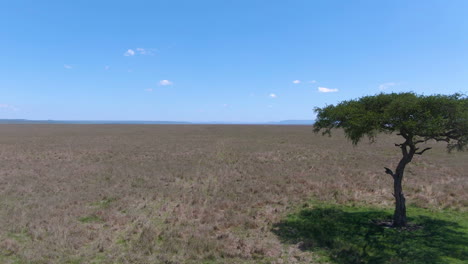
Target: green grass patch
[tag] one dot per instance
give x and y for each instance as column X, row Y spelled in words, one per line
column 98, row 259
column 10, row 259
column 74, row 261
column 104, row 203
column 346, row 234
column 21, row 237
column 90, row 219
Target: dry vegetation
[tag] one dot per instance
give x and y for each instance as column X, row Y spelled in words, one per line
column 191, row 194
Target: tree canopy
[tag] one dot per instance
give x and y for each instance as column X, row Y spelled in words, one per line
column 434, row 117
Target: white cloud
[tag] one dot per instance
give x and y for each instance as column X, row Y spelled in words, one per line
column 385, row 86
column 149, row 90
column 67, row 66
column 296, row 82
column 313, row 81
column 327, row 90
column 272, row 95
column 106, row 68
column 129, row 52
column 165, row 82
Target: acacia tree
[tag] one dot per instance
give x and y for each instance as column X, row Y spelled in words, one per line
column 416, row 118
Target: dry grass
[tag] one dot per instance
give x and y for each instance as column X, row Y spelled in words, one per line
column 190, row 194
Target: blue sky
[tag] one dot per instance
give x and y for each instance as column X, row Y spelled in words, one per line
column 234, row 61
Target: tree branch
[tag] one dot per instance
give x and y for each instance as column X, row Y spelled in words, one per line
column 422, row 151
column 389, row 172
column 445, row 139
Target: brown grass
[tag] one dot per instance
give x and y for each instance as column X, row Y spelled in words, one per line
column 191, row 194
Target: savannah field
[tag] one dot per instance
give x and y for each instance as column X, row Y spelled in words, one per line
column 211, row 194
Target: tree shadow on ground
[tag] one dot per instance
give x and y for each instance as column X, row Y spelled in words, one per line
column 354, row 237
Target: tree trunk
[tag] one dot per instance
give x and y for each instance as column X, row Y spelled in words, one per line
column 408, row 149
column 399, row 217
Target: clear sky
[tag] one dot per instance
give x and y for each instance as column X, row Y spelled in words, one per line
column 222, row 60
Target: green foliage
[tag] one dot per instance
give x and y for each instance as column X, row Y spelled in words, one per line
column 349, row 235
column 418, row 117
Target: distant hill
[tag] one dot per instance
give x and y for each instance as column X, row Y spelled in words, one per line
column 295, row 122
column 89, row 122
column 137, row 122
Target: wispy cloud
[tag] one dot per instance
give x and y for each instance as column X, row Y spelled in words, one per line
column 296, row 81
column 67, row 66
column 272, row 95
column 327, row 90
column 225, row 105
column 139, row 51
column 129, row 52
column 143, row 51
column 7, row 107
column 385, row 86
column 106, row 68
column 149, row 90
column 313, row 81
column 165, row 82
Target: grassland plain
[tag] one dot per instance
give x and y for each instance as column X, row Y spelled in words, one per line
column 195, row 193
